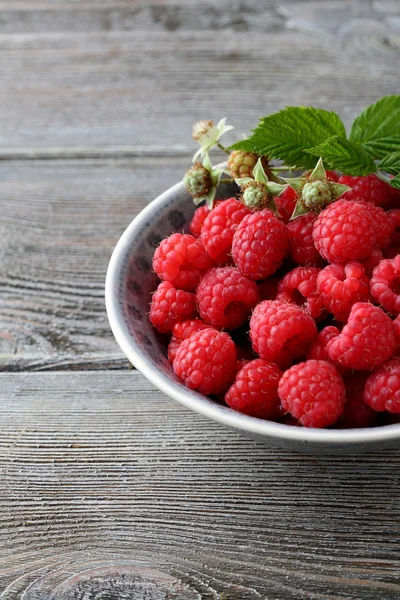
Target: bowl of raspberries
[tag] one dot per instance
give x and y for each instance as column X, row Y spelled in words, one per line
column 264, row 292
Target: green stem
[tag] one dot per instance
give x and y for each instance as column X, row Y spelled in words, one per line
column 222, row 148
column 226, row 180
column 282, row 168
column 383, row 177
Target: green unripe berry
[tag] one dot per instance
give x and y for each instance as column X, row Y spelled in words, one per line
column 255, row 195
column 316, row 194
column 197, row 180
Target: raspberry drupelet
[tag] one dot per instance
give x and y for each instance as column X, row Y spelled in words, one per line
column 281, row 332
column 225, row 297
column 206, row 361
column 198, row 219
column 341, row 286
column 302, row 247
column 344, row 231
column 300, row 287
column 255, row 391
column 169, row 306
column 382, row 389
column 368, row 187
column 366, row 341
column 219, row 227
column 260, row 244
column 181, row 331
column 313, row 392
column 181, row 260
column 382, row 223
column 385, row 284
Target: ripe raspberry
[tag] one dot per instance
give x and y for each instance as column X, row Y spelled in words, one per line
column 313, row 392
column 385, row 284
column 382, row 389
column 300, row 287
column 182, row 331
column 394, row 198
column 332, row 176
column 285, row 203
column 219, row 227
column 302, row 248
column 198, row 219
column 225, row 297
column 181, row 260
column 268, row 289
column 396, row 327
column 344, row 231
column 382, row 223
column 356, row 412
column 318, row 350
column 341, row 286
column 169, row 306
column 206, row 361
column 255, row 391
column 372, row 261
column 259, row 245
column 369, row 188
column 394, row 216
column 241, row 163
column 281, row 332
column 366, row 341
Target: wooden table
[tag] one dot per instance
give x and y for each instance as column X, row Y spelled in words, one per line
column 108, row 488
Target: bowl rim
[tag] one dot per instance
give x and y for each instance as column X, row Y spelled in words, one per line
column 194, row 400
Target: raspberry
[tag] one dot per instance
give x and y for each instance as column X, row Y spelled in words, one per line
column 219, row 227
column 225, row 297
column 259, row 245
column 281, row 332
column 332, row 176
column 285, row 203
column 197, row 180
column 369, row 188
column 313, row 392
column 382, row 389
column 241, row 163
column 268, row 289
column 344, row 231
column 366, row 341
column 382, row 223
column 356, row 412
column 394, row 197
column 385, row 284
column 372, row 261
column 300, row 286
column 181, row 260
column 396, row 327
column 302, row 248
column 394, row 216
column 169, row 306
column 341, row 286
column 182, row 331
column 318, row 350
column 198, row 219
column 206, row 361
column 255, row 391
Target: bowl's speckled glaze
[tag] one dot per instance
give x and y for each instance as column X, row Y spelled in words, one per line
column 129, row 284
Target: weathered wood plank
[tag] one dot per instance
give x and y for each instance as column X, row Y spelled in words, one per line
column 100, row 470
column 59, row 222
column 143, row 85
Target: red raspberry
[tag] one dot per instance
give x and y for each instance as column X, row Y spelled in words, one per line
column 182, row 331
column 181, row 260
column 269, row 288
column 385, row 284
column 285, row 203
column 341, row 286
column 394, row 197
column 382, row 390
column 318, row 350
column 240, row 363
column 356, row 412
column 169, row 306
column 344, row 231
column 260, row 244
column 225, row 297
column 372, row 261
column 332, row 176
column 219, row 227
column 206, row 361
column 369, row 188
column 396, row 327
column 300, row 286
column 281, row 332
column 198, row 219
column 394, row 216
column 382, row 223
column 302, row 248
column 313, row 392
column 255, row 391
column 366, row 341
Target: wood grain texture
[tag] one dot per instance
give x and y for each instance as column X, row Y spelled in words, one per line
column 104, row 477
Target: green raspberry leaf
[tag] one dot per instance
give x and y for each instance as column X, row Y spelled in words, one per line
column 377, row 128
column 345, row 155
column 396, row 182
column 391, row 163
column 286, row 134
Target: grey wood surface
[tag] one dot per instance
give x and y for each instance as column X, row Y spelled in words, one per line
column 108, row 488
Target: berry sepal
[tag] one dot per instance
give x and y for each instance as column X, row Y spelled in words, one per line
column 259, row 192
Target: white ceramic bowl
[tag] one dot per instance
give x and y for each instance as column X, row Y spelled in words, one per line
column 130, row 281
